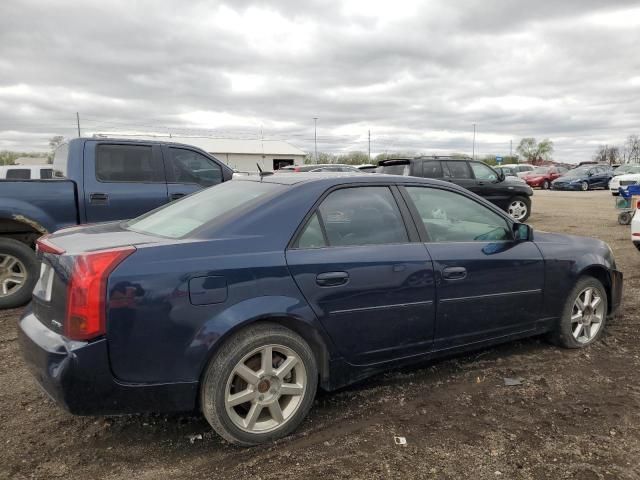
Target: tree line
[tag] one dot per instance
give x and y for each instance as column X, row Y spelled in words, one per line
column 629, row 152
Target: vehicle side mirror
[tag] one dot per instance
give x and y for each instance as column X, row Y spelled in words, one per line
column 590, row 174
column 500, row 176
column 522, row 232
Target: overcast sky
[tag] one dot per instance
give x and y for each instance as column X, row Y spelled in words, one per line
column 418, row 74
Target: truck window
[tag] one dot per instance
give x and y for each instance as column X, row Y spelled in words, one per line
column 432, row 169
column 46, row 173
column 19, row 173
column 127, row 163
column 60, row 160
column 187, row 166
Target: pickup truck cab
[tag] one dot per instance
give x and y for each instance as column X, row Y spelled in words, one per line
column 511, row 195
column 94, row 180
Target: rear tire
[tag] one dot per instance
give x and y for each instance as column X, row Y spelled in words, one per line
column 584, row 186
column 277, row 394
column 18, row 273
column 584, row 315
column 624, row 218
column 546, row 185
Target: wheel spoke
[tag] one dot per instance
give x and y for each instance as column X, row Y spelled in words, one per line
column 595, row 302
column 16, row 278
column 252, row 417
column 596, row 318
column 8, row 262
column 291, row 389
column 579, row 304
column 578, row 330
column 286, row 367
column 276, row 412
column 575, row 317
column 246, row 374
column 587, row 331
column 267, row 360
column 241, row 397
column 587, row 296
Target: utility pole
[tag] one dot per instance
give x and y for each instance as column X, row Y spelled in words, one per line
column 315, row 136
column 369, row 146
column 78, row 122
column 474, row 142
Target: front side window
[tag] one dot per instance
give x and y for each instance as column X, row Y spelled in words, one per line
column 46, row 173
column 458, row 169
column 128, row 163
column 356, row 216
column 187, row 166
column 19, row 173
column 452, row 217
column 483, row 172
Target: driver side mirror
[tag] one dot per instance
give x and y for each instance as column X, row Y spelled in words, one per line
column 500, row 175
column 522, row 232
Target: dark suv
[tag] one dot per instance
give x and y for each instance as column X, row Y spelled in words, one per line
column 511, row 195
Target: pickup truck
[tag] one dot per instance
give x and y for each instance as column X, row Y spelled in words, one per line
column 94, row 180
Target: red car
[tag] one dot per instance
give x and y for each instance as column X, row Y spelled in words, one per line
column 543, row 176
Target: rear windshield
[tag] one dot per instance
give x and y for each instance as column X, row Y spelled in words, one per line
column 395, row 169
column 181, row 218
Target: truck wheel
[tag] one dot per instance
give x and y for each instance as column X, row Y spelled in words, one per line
column 18, row 273
column 584, row 315
column 260, row 385
column 519, row 208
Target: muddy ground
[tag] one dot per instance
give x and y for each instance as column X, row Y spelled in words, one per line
column 575, row 415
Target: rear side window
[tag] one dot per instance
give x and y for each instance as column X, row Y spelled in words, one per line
column 432, row 169
column 458, row 169
column 395, row 169
column 187, row 166
column 19, row 173
column 360, row 216
column 60, row 161
column 46, row 173
column 128, row 163
column 312, row 236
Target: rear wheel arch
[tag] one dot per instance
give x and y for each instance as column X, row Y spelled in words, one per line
column 22, row 229
column 308, row 333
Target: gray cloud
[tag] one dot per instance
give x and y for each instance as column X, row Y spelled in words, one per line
column 418, row 74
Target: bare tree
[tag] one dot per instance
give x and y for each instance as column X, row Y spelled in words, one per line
column 607, row 154
column 632, row 149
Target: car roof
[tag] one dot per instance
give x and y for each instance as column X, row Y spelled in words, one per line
column 337, row 178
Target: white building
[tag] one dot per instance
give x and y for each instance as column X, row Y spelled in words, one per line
column 241, row 155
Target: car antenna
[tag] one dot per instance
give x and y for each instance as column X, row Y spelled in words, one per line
column 262, row 173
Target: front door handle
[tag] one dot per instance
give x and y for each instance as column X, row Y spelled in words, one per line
column 98, row 198
column 332, row 279
column 175, row 196
column 454, row 273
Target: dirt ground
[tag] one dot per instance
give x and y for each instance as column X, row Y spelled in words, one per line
column 575, row 415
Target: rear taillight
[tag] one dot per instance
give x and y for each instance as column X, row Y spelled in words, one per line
column 87, row 292
column 43, row 245
column 296, row 169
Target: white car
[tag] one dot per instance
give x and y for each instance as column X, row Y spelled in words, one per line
column 623, row 181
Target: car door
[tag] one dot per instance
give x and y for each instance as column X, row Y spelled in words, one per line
column 122, row 180
column 487, row 184
column 488, row 284
column 188, row 170
column 365, row 274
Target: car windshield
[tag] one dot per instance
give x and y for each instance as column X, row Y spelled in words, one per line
column 576, row 172
column 628, row 169
column 541, row 170
column 179, row 219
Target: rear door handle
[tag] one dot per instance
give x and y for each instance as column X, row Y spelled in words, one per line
column 454, row 273
column 332, row 279
column 175, row 196
column 98, row 198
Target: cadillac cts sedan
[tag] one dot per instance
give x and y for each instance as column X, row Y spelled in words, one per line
column 242, row 299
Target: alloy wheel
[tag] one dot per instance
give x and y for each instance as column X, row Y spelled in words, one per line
column 265, row 389
column 13, row 275
column 517, row 210
column 587, row 315
column 584, row 186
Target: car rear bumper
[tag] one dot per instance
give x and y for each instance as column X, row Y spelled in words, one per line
column 77, row 376
column 616, row 290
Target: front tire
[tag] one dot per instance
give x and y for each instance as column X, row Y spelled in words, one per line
column 584, row 186
column 519, row 208
column 260, row 385
column 584, row 315
column 18, row 273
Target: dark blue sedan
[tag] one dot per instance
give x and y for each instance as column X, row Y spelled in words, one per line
column 242, row 299
column 584, row 178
